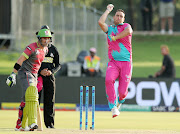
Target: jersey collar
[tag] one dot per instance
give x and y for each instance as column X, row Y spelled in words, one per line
column 118, row 24
column 121, row 24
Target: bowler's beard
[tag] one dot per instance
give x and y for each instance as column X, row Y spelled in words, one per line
column 117, row 23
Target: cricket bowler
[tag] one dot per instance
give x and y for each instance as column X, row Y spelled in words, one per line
column 120, row 57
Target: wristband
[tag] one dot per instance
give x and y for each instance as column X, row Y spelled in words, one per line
column 113, row 38
column 17, row 66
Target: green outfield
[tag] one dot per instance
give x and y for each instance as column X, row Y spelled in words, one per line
column 126, row 123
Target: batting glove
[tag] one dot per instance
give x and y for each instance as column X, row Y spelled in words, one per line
column 11, row 80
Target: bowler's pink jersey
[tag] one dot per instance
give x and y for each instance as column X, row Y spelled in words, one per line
column 119, row 50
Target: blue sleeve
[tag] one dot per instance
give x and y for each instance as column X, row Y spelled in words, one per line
column 107, row 30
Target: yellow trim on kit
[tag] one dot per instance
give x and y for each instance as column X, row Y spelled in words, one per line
column 63, row 105
column 37, row 44
column 48, row 60
column 13, row 105
column 7, row 104
column 25, row 55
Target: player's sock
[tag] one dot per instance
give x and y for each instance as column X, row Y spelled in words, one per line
column 112, row 105
column 119, row 103
column 20, row 115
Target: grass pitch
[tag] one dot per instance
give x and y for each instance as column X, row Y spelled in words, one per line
column 125, row 123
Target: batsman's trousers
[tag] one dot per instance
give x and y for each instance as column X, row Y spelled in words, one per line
column 26, row 79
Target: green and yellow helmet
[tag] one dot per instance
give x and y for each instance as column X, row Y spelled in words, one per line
column 44, row 33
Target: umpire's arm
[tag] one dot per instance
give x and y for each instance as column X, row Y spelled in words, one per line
column 56, row 62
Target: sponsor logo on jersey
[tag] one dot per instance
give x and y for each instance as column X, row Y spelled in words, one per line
column 29, row 48
column 109, row 66
column 128, row 78
column 52, row 55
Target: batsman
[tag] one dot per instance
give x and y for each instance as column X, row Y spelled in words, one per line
column 26, row 68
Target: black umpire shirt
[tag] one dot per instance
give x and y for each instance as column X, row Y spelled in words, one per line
column 51, row 60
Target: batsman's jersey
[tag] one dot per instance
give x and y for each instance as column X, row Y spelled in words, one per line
column 119, row 50
column 34, row 56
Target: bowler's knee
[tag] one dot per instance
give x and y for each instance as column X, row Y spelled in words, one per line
column 123, row 95
column 109, row 80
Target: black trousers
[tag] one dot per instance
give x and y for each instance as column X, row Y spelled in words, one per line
column 147, row 20
column 49, row 99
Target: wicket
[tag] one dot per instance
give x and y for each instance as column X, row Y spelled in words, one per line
column 86, row 106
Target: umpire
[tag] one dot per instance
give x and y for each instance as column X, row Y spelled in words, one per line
column 49, row 66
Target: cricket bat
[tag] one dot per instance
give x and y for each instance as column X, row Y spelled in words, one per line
column 39, row 119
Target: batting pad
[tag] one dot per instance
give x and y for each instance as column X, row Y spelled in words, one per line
column 31, row 98
column 32, row 112
column 31, row 94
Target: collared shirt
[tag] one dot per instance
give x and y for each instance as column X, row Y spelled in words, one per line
column 121, row 49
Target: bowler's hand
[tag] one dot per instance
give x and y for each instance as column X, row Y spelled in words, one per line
column 11, row 80
column 110, row 7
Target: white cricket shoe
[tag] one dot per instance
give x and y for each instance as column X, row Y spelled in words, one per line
column 115, row 112
column 33, row 126
column 17, row 128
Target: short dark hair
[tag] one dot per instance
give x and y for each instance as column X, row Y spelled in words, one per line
column 120, row 10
